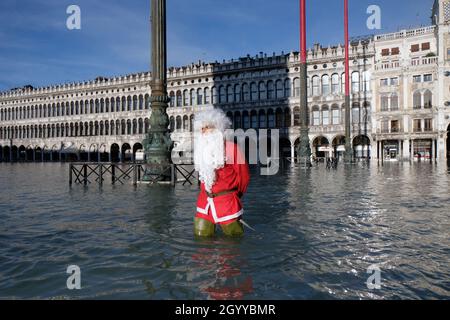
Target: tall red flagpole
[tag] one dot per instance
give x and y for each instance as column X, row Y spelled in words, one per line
column 304, row 148
column 348, row 149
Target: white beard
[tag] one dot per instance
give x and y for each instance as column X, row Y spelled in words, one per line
column 209, row 155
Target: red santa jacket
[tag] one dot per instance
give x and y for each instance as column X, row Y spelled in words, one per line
column 226, row 208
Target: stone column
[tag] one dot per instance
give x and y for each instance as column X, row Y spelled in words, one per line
column 348, row 155
column 433, row 150
column 292, row 153
column 374, row 150
column 157, row 143
column 304, row 149
column 406, row 152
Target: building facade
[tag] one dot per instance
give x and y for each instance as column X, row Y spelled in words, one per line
column 399, row 98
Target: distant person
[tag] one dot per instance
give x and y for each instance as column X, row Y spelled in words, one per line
column 224, row 176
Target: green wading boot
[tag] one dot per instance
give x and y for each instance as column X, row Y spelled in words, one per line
column 204, row 228
column 234, row 229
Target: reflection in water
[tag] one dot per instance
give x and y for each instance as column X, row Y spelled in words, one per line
column 227, row 281
column 317, row 232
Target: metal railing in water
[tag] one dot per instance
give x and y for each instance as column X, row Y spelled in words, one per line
column 86, row 173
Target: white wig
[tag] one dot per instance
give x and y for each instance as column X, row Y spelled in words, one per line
column 213, row 118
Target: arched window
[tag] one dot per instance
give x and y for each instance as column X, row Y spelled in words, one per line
column 262, row 119
column 214, row 95
column 427, row 99
column 129, row 127
column 245, row 120
column 270, row 119
column 207, row 96
column 186, row 123
column 253, row 119
column 129, row 103
column 325, row 116
column 325, row 85
column 355, row 113
column 135, row 103
column 296, row 116
column 141, row 101
column 343, row 83
column 279, row 118
column 394, row 102
column 287, row 88
column 192, row 97
column 279, row 89
column 355, row 82
column 135, row 127
column 237, row 93
column 254, row 91
column 222, row 95
column 246, row 92
column 172, row 124
column 179, row 123
column 315, row 116
column 287, row 117
column 124, row 104
column 417, row 100
column 179, row 99
column 237, row 120
column 199, row 96
column 141, row 125
column 185, row 98
column 262, row 92
column 297, row 87
column 366, row 81
column 384, row 103
column 335, row 83
column 335, row 114
column 172, row 99
column 315, row 86
column 230, row 94
column 270, row 90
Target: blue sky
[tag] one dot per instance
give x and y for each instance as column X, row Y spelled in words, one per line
column 36, row 47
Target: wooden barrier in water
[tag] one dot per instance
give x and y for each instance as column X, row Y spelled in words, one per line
column 90, row 172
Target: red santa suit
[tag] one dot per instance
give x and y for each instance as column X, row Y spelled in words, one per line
column 226, row 208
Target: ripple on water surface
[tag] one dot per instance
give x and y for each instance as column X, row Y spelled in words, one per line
column 316, row 234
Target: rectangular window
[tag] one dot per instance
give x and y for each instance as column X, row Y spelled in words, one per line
column 417, row 125
column 428, row 125
column 394, row 102
column 325, row 117
column 425, row 46
column 316, row 118
column 417, row 79
column 355, row 115
column 427, row 78
column 384, row 103
column 395, row 126
column 336, row 117
column 394, row 81
column 385, row 52
column 415, row 48
column 207, row 96
column 395, row 51
column 271, row 120
column 384, row 82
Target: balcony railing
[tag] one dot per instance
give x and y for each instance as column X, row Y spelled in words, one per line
column 405, row 33
column 424, row 61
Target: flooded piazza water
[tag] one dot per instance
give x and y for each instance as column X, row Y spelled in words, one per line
column 317, row 233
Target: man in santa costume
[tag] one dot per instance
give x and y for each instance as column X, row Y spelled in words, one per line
column 224, row 176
